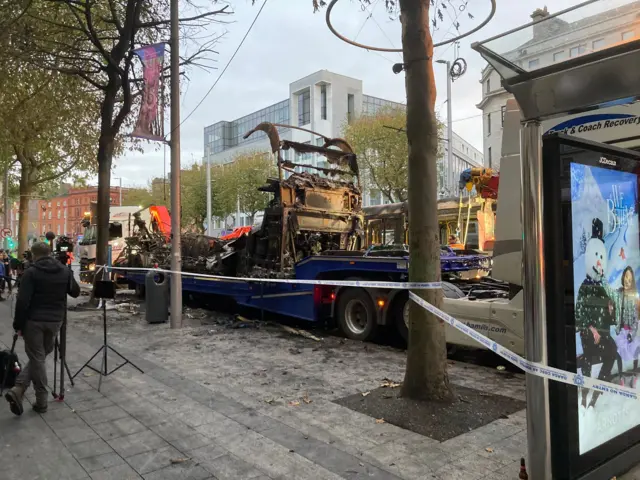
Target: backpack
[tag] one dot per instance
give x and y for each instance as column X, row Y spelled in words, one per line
column 10, row 366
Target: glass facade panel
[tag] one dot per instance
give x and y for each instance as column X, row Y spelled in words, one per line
column 371, row 105
column 304, row 108
column 323, row 102
column 222, row 136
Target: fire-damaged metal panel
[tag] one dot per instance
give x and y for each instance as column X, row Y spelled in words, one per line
column 309, row 213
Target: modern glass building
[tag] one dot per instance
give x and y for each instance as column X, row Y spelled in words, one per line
column 322, row 102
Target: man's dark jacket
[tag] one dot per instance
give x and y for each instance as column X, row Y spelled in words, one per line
column 43, row 292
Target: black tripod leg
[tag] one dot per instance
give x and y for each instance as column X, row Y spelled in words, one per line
column 63, row 347
column 54, row 392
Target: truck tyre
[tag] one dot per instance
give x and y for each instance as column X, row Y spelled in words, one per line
column 356, row 314
column 401, row 308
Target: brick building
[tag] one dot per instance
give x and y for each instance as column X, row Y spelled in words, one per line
column 62, row 214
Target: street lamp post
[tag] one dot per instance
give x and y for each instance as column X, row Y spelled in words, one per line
column 119, row 178
column 449, row 175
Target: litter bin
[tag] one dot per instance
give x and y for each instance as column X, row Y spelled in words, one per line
column 156, row 285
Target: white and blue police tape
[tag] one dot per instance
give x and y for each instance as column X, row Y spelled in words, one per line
column 336, row 283
column 533, row 368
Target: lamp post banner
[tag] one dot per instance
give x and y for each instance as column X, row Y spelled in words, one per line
column 150, row 124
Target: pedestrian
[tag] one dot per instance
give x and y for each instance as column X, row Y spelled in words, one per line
column 7, row 271
column 626, row 338
column 2, row 280
column 40, row 311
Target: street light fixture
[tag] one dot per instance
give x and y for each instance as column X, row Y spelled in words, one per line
column 119, row 178
column 450, row 180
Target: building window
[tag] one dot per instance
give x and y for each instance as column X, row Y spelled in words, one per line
column 49, row 215
column 628, row 35
column 58, row 214
column 558, row 56
column 49, row 204
column 577, row 50
column 598, row 44
column 350, row 107
column 488, row 124
column 488, row 85
column 534, row 63
column 323, row 101
column 58, row 204
column 304, row 108
column 64, row 203
column 489, row 156
column 503, row 110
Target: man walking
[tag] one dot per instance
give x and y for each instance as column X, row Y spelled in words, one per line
column 40, row 311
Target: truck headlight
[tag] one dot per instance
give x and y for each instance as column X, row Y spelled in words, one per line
column 92, row 267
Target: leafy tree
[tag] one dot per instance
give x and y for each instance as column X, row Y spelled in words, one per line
column 380, row 142
column 426, row 374
column 95, row 42
column 193, row 191
column 250, row 171
column 49, row 122
column 136, row 196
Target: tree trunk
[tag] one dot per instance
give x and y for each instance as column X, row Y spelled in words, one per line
column 23, row 222
column 105, row 157
column 426, row 375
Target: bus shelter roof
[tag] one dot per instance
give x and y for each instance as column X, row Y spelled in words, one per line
column 546, row 84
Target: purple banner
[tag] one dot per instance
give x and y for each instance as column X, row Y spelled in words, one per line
column 150, row 124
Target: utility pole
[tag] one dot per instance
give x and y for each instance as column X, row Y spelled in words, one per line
column 176, row 263
column 209, row 222
column 7, row 221
column 120, row 178
column 449, row 176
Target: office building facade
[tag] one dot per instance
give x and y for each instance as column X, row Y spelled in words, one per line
column 321, row 102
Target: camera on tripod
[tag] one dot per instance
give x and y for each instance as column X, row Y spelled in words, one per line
column 64, row 249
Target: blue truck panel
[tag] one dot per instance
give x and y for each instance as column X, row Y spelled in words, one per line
column 296, row 300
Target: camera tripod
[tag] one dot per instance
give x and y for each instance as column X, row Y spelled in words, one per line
column 60, row 352
column 105, row 289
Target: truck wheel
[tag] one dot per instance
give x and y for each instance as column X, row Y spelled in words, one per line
column 401, row 315
column 401, row 308
column 356, row 314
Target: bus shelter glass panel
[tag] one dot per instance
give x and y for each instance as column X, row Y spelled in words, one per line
column 592, row 240
column 554, row 38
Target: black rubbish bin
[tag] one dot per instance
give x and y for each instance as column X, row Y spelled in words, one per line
column 156, row 285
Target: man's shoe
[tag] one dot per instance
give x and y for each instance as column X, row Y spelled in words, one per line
column 40, row 408
column 14, row 397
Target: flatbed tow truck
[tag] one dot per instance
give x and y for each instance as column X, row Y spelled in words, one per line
column 311, row 230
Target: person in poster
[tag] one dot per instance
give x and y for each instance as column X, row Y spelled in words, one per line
column 627, row 340
column 596, row 313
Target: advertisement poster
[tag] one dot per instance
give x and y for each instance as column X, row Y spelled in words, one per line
column 606, row 266
column 150, row 121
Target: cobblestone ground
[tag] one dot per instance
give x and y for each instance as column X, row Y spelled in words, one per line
column 215, row 402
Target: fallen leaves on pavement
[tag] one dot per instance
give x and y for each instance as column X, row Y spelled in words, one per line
column 380, row 420
column 386, row 383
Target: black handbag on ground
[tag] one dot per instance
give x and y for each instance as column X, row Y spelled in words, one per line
column 9, row 366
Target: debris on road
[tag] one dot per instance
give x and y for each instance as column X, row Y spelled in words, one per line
column 302, row 333
column 179, row 460
column 306, row 398
column 380, row 420
column 131, row 308
column 294, row 403
column 364, row 394
column 386, row 383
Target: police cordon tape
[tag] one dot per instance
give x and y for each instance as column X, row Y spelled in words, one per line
column 533, row 368
column 336, row 283
column 530, row 367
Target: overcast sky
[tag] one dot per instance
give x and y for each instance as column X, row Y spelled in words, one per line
column 289, row 42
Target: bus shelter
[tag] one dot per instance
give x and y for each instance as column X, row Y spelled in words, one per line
column 558, row 66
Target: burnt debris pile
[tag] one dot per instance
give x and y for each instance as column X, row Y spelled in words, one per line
column 309, row 214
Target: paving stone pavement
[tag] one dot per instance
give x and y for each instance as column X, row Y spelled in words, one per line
column 221, row 412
